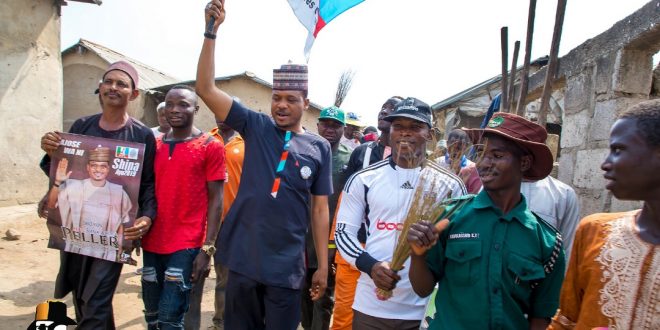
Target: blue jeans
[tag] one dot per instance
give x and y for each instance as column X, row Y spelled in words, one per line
column 166, row 288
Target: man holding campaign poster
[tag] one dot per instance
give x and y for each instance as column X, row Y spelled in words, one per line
column 93, row 280
column 93, row 211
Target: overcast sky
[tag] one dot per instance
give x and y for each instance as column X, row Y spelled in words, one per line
column 428, row 49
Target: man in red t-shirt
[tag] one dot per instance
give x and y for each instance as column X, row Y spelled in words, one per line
column 190, row 171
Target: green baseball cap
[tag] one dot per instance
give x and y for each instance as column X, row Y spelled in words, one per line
column 333, row 113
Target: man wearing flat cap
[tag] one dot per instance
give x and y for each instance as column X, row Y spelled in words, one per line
column 94, row 202
column 286, row 180
column 383, row 193
column 91, row 280
column 498, row 265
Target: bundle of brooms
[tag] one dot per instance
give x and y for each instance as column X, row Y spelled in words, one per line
column 424, row 206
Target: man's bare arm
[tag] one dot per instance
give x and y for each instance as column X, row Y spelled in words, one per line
column 214, row 210
column 218, row 101
column 213, row 218
column 320, row 230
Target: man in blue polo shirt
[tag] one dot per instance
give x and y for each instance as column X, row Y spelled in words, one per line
column 287, row 175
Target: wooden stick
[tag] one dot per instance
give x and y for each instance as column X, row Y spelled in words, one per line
column 504, row 37
column 552, row 63
column 524, row 80
column 512, row 83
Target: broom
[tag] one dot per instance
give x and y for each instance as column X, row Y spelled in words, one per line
column 424, row 205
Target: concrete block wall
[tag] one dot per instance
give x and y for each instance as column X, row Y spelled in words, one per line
column 594, row 98
column 600, row 79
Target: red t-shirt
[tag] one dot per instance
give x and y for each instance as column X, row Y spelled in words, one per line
column 182, row 170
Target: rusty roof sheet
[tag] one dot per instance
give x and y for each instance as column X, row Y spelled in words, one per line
column 480, row 87
column 149, row 77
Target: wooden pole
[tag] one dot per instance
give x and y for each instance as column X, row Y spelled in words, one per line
column 524, row 79
column 551, row 70
column 504, row 38
column 514, row 69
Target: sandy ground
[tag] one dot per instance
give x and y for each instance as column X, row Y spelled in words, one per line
column 28, row 276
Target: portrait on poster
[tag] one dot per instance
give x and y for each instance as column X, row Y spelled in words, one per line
column 95, row 184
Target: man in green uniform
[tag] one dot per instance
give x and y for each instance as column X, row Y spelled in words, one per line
column 316, row 314
column 495, row 259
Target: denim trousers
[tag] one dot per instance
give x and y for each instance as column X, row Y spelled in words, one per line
column 166, row 288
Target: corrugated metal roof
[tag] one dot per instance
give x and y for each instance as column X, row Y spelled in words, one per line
column 246, row 74
column 149, row 76
column 540, row 62
column 466, row 93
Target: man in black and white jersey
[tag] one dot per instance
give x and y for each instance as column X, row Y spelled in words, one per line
column 381, row 194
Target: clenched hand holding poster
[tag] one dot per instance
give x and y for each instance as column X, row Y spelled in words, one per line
column 94, row 193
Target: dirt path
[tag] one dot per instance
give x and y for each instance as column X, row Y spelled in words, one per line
column 28, row 276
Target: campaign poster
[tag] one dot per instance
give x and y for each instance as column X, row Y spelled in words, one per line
column 95, row 184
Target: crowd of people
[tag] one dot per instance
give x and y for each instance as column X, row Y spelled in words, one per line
column 268, row 203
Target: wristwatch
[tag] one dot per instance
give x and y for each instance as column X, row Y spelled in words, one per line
column 209, row 249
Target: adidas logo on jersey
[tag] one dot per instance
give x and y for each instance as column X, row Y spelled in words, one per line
column 407, row 185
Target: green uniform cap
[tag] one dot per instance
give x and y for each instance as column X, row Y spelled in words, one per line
column 333, row 113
